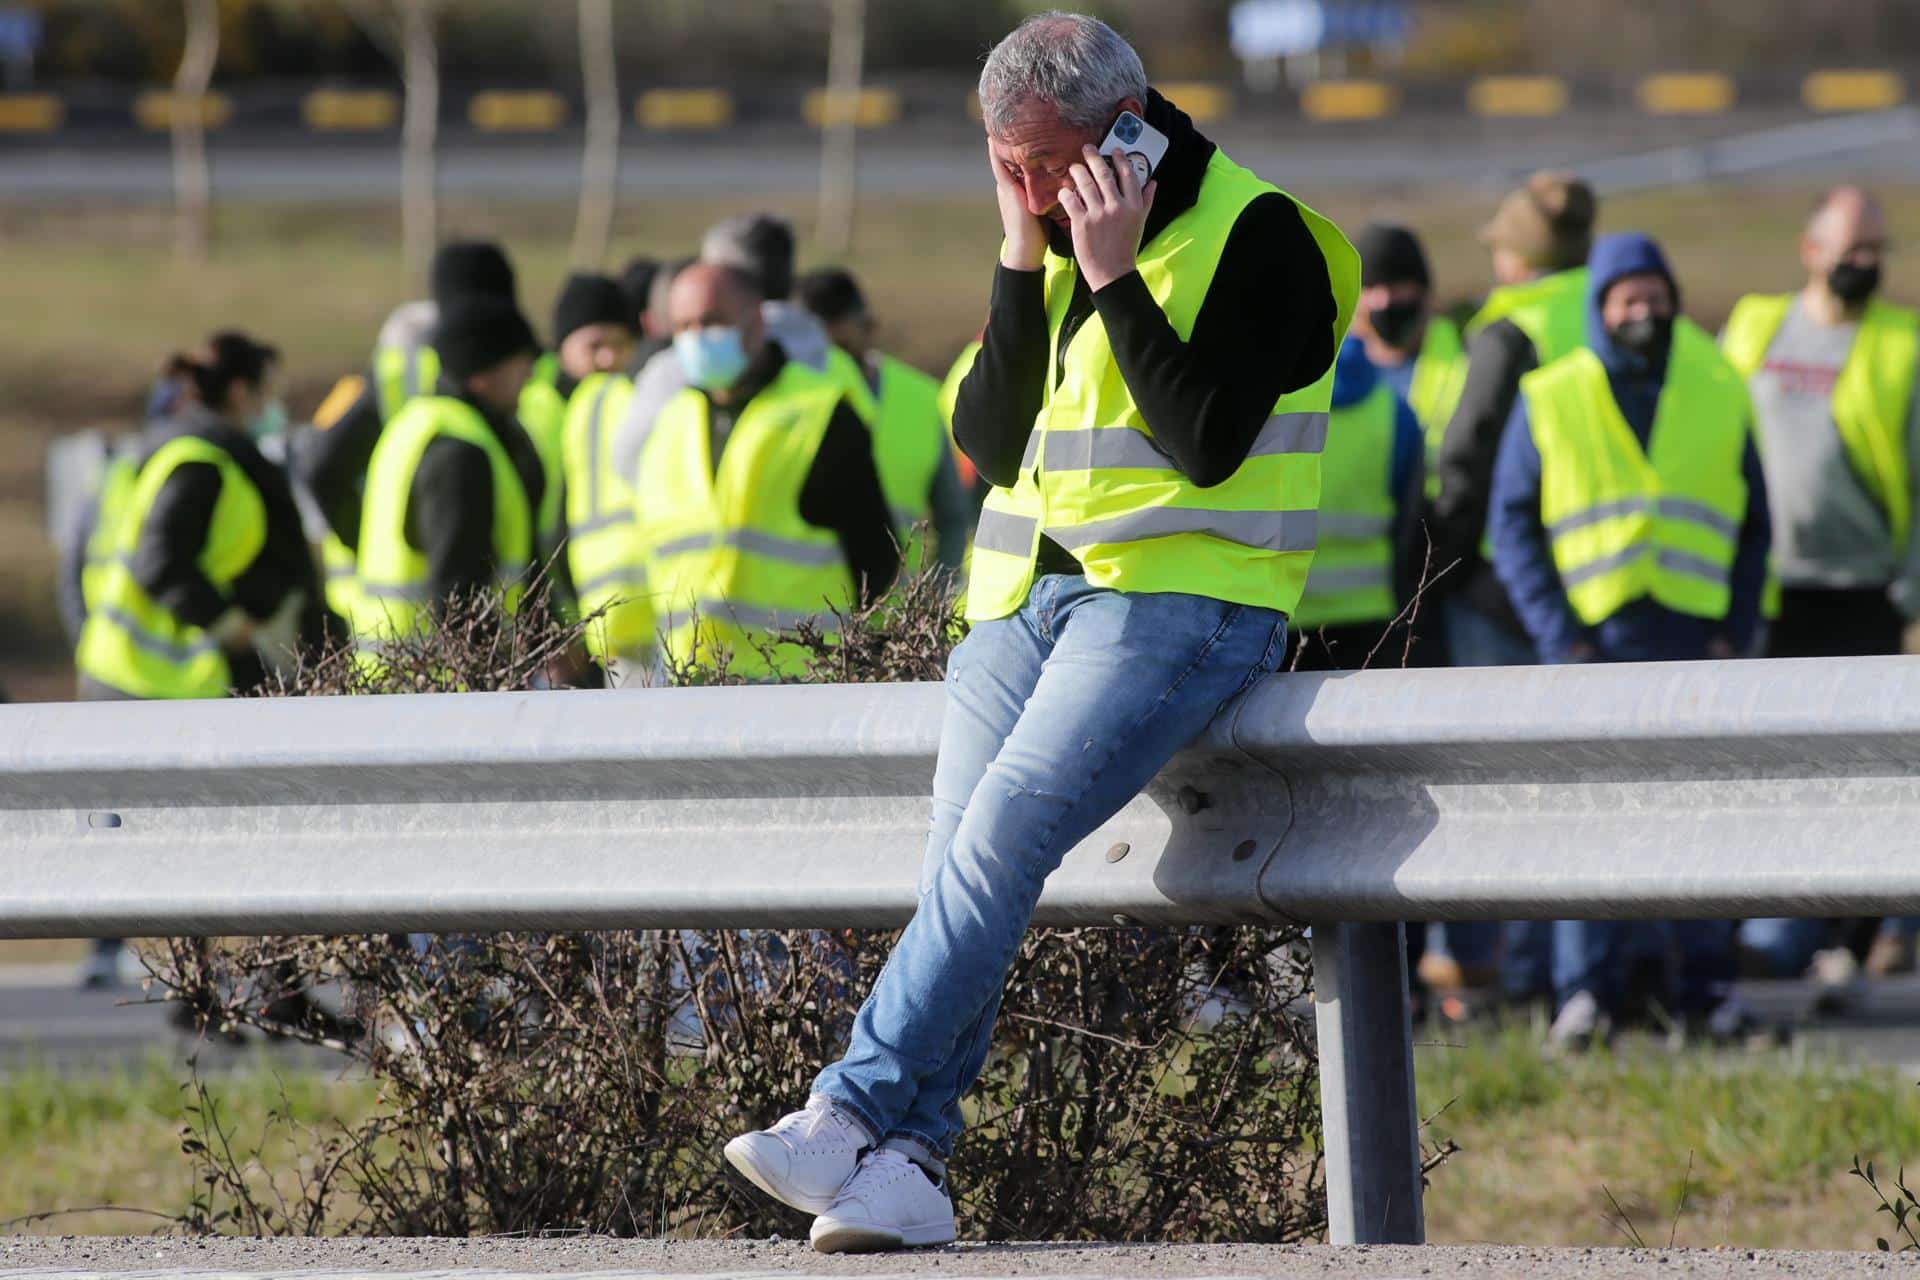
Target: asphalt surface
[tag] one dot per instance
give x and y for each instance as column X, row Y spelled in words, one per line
column 496, row 1259
column 46, row 1019
column 1411, row 152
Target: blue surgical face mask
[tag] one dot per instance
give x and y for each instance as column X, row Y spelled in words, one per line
column 271, row 421
column 713, row 358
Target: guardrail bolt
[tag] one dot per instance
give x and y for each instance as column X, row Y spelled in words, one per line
column 1244, row 850
column 1194, row 801
column 1119, row 851
column 103, row 821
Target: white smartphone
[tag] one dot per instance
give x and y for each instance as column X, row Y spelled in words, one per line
column 1138, row 142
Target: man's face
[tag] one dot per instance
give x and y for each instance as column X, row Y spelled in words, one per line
column 596, row 348
column 852, row 333
column 1402, row 306
column 1038, row 148
column 1637, row 298
column 1849, row 229
column 499, row 388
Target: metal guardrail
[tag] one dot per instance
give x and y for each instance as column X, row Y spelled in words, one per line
column 1350, row 802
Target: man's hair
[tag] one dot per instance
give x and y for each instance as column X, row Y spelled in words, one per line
column 832, row 294
column 760, row 244
column 1077, row 65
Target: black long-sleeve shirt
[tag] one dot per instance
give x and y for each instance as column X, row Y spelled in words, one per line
column 1497, row 358
column 166, row 556
column 331, row 462
column 842, row 491
column 1264, row 329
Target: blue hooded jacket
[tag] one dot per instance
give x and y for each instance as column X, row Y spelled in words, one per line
column 1642, row 631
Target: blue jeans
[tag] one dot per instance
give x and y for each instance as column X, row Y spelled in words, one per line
column 1475, row 640
column 1786, row 944
column 1056, row 718
column 1697, row 958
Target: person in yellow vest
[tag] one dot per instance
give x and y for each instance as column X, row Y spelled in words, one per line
column 594, row 330
column 1630, row 524
column 910, row 440
column 1369, row 492
column 1150, row 403
column 756, row 495
column 204, row 551
column 950, row 393
column 1832, row 370
column 330, row 462
column 454, row 482
column 1539, row 239
column 1417, row 351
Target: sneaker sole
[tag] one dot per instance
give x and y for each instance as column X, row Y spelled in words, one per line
column 854, row 1238
column 741, row 1155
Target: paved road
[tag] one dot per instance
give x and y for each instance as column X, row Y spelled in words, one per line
column 944, row 162
column 755, row 1260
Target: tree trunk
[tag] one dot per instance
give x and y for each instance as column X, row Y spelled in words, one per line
column 839, row 157
column 600, row 165
column 419, row 138
column 192, row 181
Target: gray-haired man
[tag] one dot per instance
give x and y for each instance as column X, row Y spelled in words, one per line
column 1149, row 402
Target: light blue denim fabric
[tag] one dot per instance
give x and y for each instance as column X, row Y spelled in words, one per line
column 1787, row 945
column 1056, row 717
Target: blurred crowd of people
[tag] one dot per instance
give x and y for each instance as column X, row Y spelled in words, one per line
column 707, row 451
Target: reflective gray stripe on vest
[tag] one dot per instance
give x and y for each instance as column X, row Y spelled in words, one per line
column 1291, row 433
column 411, row 593
column 159, row 646
column 1354, row 528
column 1101, row 448
column 339, row 572
column 1683, row 509
column 748, row 616
column 1571, row 578
column 1700, row 513
column 1358, row 578
column 596, row 519
column 1005, row 533
column 1599, row 513
column 628, row 576
column 792, row 550
column 1266, row 530
column 606, row 520
column 1690, row 565
column 906, row 517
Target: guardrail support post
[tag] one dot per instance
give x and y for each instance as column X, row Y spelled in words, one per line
column 1366, row 1084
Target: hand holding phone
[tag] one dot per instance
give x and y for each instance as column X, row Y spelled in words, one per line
column 1108, row 197
column 1135, row 142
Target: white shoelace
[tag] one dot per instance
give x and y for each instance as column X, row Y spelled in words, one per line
column 877, row 1172
column 810, row 1122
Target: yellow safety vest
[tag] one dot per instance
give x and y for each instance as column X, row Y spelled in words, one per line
column 543, row 414
column 1628, row 522
column 728, row 557
column 1094, row 481
column 116, row 491
column 132, row 644
column 908, row 440
column 1871, row 400
column 1352, row 578
column 1439, row 376
column 603, row 542
column 393, row 594
column 1551, row 311
column 949, row 394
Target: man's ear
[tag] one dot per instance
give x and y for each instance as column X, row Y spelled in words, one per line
column 1134, row 105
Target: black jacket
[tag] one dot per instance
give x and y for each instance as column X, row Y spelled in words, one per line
column 166, row 559
column 1265, row 329
column 842, row 491
column 1497, row 358
column 450, row 505
column 330, row 462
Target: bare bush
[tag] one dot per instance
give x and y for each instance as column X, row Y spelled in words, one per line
column 1144, row 1084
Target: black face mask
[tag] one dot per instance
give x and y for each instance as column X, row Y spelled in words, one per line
column 1648, row 337
column 1396, row 321
column 1853, row 284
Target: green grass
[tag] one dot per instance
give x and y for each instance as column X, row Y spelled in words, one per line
column 77, row 1140
column 1769, row 1141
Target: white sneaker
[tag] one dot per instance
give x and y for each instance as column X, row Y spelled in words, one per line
column 1579, row 1026
column 805, row 1159
column 890, row 1203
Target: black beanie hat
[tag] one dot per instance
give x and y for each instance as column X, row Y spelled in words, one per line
column 636, row 281
column 1391, row 255
column 831, row 294
column 473, row 266
column 477, row 333
column 590, row 299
